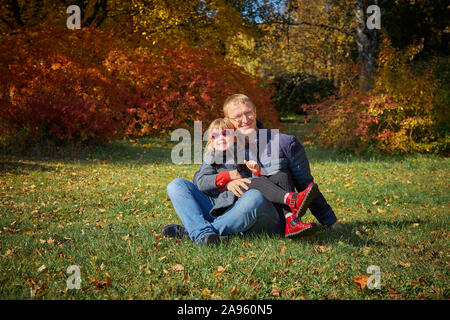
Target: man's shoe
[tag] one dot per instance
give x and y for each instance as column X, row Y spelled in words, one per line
column 296, row 228
column 336, row 226
column 210, row 239
column 175, row 231
column 299, row 202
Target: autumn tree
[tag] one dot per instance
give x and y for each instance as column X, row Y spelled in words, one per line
column 317, row 36
column 300, row 41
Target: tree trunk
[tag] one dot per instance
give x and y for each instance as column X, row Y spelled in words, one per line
column 366, row 40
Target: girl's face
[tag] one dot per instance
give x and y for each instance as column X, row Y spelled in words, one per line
column 222, row 139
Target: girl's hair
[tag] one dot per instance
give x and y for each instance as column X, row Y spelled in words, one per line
column 220, row 123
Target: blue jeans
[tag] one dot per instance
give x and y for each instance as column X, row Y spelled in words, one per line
column 251, row 213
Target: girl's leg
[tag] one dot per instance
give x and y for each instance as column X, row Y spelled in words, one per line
column 277, row 189
column 284, row 180
column 269, row 189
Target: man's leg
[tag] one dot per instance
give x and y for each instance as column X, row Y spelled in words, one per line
column 269, row 220
column 192, row 206
column 299, row 166
column 251, row 213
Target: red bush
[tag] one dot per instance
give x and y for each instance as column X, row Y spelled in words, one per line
column 89, row 85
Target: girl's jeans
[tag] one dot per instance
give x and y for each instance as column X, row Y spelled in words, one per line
column 251, row 213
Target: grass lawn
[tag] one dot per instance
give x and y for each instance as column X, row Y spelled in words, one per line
column 102, row 209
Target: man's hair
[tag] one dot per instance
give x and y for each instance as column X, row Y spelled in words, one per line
column 236, row 99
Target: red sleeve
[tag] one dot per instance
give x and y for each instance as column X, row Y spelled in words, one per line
column 222, row 179
column 258, row 173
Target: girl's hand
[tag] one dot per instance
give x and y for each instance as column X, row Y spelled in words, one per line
column 252, row 165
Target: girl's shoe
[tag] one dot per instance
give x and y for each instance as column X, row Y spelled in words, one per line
column 294, row 227
column 299, row 202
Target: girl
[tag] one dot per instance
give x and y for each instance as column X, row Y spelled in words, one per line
column 220, row 168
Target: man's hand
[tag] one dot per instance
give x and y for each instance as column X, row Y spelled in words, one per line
column 234, row 175
column 236, row 185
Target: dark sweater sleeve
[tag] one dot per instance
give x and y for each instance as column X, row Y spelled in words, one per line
column 205, row 179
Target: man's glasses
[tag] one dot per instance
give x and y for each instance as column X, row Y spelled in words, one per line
column 224, row 133
column 248, row 115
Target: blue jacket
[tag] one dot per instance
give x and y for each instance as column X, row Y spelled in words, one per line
column 291, row 156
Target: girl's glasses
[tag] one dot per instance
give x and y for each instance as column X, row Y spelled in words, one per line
column 224, row 133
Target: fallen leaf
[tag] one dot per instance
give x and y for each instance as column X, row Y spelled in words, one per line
column 405, row 264
column 360, row 281
column 98, row 283
column 418, row 283
column 321, row 249
column 394, row 294
column 283, row 250
column 42, row 268
column 177, row 267
column 234, row 290
column 206, row 292
column 108, row 278
column 275, row 292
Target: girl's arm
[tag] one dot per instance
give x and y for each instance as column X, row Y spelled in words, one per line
column 210, row 181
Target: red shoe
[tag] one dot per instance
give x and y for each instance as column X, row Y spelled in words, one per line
column 299, row 202
column 294, row 227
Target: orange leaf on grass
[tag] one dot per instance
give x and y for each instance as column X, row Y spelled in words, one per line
column 360, row 281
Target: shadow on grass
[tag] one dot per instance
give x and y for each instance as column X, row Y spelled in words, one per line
column 136, row 152
column 347, row 235
column 17, row 167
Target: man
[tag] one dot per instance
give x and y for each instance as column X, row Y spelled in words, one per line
column 251, row 212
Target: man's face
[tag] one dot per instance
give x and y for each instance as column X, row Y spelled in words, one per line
column 243, row 116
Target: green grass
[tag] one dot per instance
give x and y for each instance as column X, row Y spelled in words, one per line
column 103, row 208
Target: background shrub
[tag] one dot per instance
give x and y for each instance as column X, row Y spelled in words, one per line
column 91, row 86
column 407, row 111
